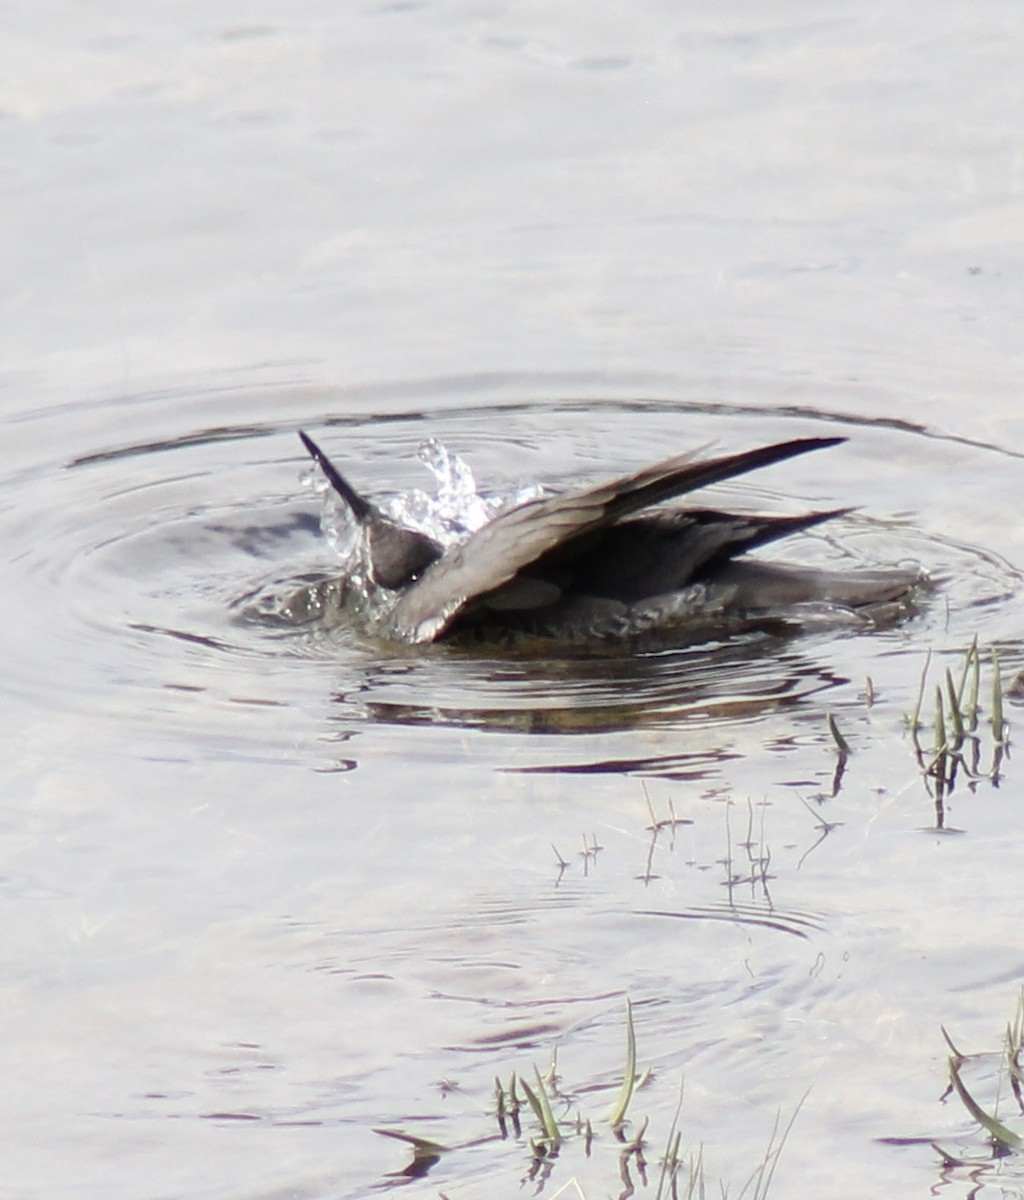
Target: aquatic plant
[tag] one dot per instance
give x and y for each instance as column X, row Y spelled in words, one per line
column 681, row 1174
column 961, row 740
column 1004, row 1139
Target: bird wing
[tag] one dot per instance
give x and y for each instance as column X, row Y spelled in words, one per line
column 519, row 537
column 653, row 554
column 679, row 475
column 360, row 507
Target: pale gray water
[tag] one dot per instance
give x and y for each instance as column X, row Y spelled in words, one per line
column 265, row 890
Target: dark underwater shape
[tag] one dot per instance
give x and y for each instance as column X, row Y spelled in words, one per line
column 580, row 566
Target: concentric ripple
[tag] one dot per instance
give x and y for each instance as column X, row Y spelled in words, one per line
column 152, row 572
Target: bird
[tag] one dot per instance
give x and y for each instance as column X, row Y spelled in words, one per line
column 607, row 562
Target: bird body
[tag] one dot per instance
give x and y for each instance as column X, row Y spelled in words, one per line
column 595, row 564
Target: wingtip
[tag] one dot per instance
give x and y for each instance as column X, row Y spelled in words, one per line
column 312, row 449
column 341, row 485
column 816, row 443
column 805, row 445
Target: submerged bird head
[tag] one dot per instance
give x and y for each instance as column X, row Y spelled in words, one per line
column 396, row 554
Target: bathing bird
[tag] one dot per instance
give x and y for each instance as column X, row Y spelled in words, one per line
column 610, row 561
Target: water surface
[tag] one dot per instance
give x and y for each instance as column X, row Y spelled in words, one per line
column 271, row 889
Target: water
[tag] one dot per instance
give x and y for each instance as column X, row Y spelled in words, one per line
column 271, row 888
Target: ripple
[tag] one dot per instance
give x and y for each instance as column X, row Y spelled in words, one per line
column 153, row 567
column 604, row 690
column 797, row 924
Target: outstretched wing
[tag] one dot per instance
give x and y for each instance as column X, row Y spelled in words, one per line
column 515, row 539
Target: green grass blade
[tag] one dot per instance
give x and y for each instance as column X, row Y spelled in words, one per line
column 421, row 1147
column 965, row 671
column 542, row 1109
column 940, row 723
column 957, row 1054
column 997, row 699
column 670, row 1162
column 955, row 715
column 995, row 1128
column 915, row 716
column 618, row 1113
column 971, row 708
column 842, row 745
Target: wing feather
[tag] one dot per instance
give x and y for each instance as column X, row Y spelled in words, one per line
column 519, row 537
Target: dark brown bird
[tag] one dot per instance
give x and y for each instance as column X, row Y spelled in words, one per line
column 581, row 566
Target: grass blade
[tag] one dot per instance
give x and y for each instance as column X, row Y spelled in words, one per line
column 995, row 1128
column 842, row 745
column 618, row 1113
column 955, row 715
column 998, row 724
column 542, row 1109
column 940, row 723
column 915, row 716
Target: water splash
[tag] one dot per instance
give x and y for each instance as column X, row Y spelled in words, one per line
column 449, row 515
column 456, row 509
column 338, row 523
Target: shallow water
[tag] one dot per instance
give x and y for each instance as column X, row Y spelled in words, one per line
column 269, row 889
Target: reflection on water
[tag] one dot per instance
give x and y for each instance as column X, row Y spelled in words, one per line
column 710, row 684
column 328, row 873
